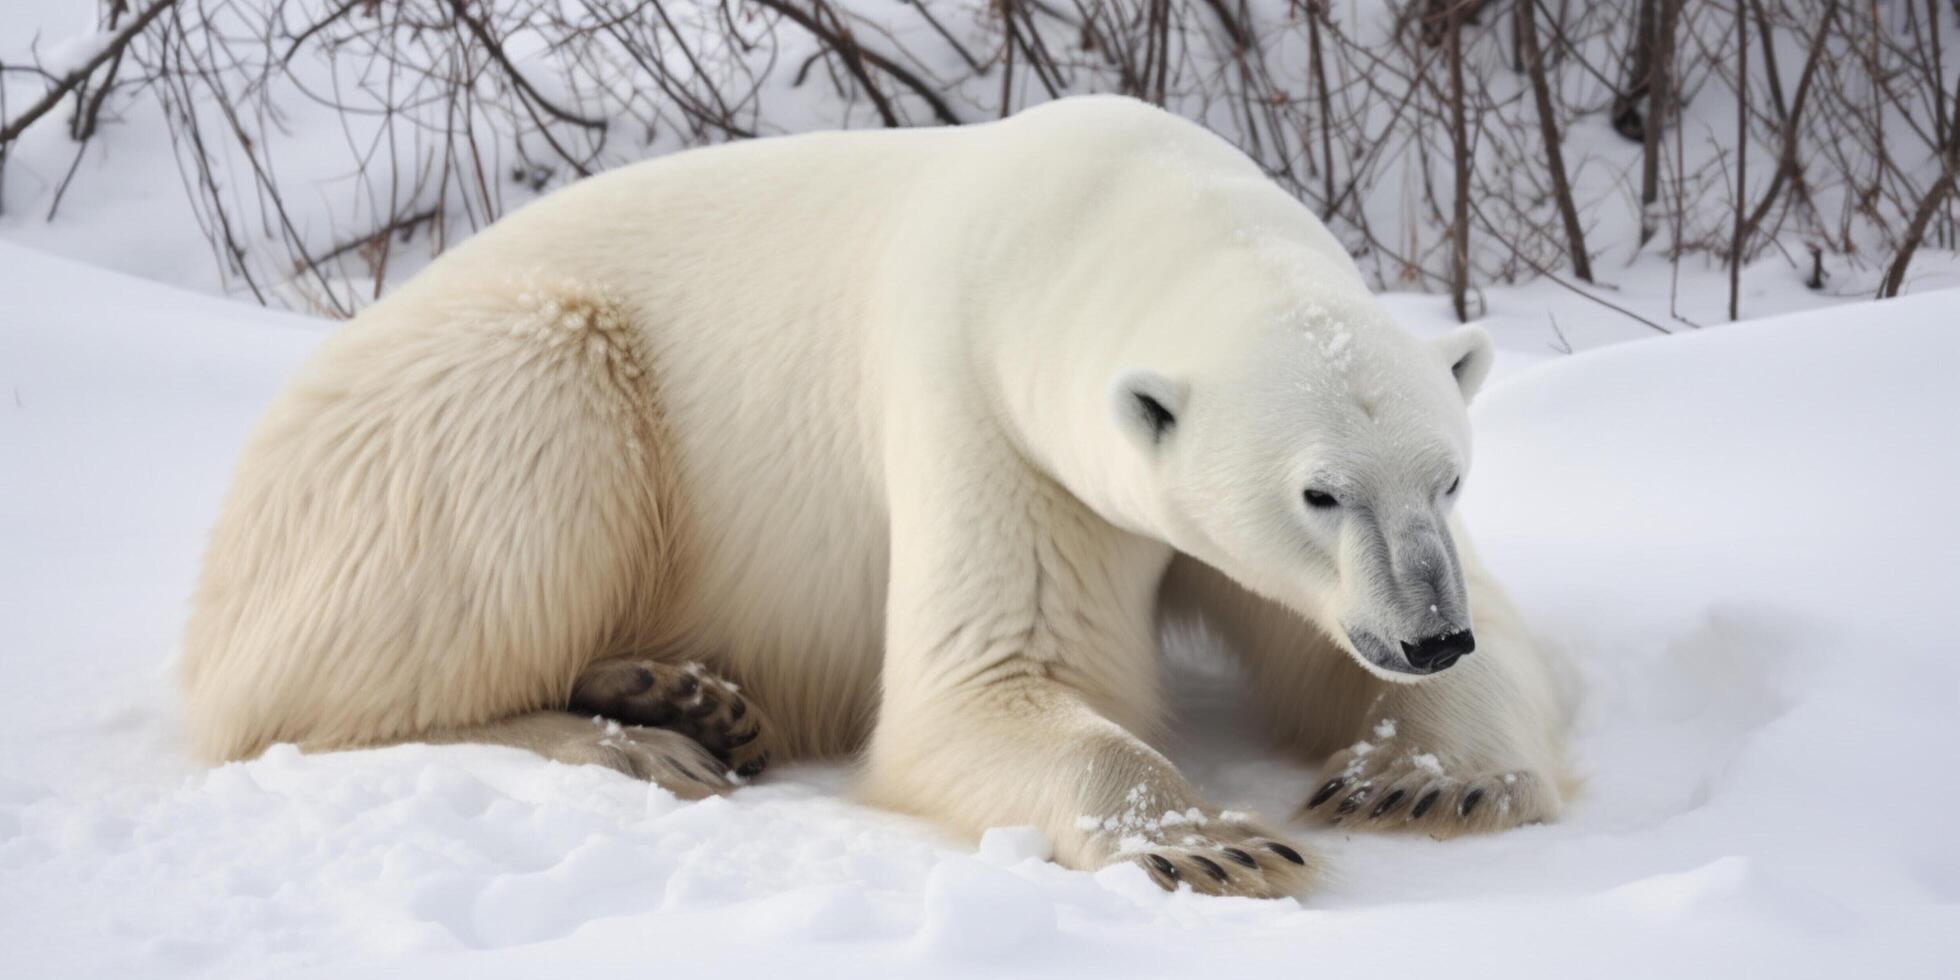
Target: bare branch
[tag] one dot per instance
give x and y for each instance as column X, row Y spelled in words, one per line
column 113, row 48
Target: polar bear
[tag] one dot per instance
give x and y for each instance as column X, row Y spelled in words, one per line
column 905, row 444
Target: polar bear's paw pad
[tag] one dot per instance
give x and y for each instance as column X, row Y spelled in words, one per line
column 684, row 698
column 1388, row 791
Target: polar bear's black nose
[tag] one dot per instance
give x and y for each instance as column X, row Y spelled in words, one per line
column 1439, row 652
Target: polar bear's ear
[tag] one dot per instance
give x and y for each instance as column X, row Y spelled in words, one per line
column 1146, row 405
column 1468, row 352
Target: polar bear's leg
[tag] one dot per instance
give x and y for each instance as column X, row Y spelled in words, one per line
column 1019, row 646
column 452, row 510
column 1476, row 748
column 1030, row 751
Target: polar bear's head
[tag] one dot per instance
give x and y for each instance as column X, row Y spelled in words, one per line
column 1318, row 467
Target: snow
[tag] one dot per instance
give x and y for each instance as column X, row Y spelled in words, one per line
column 71, row 54
column 1012, row 845
column 1742, row 538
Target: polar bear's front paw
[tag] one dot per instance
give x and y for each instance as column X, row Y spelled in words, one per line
column 1254, row 868
column 1391, row 785
column 1221, row 856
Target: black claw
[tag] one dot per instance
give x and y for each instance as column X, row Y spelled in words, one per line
column 685, row 771
column 1286, row 852
column 686, row 686
column 1163, row 866
column 1326, row 792
column 1211, row 867
column 738, row 709
column 740, row 739
column 753, row 766
column 1241, row 857
column 1422, row 806
column 705, row 708
column 1388, row 803
column 1470, row 802
column 642, row 681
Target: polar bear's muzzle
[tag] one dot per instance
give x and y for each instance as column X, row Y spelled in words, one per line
column 1433, row 653
column 1417, row 621
column 1429, row 655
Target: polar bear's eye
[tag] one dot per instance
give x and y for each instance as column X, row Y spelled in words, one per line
column 1319, row 500
column 1453, row 485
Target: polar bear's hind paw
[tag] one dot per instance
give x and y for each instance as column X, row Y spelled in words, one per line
column 684, row 698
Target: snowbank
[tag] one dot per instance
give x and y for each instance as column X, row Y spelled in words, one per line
column 1744, row 539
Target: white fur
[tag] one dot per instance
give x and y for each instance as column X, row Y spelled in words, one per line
column 842, row 416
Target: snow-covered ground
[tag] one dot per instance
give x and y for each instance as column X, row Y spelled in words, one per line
column 1743, row 537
